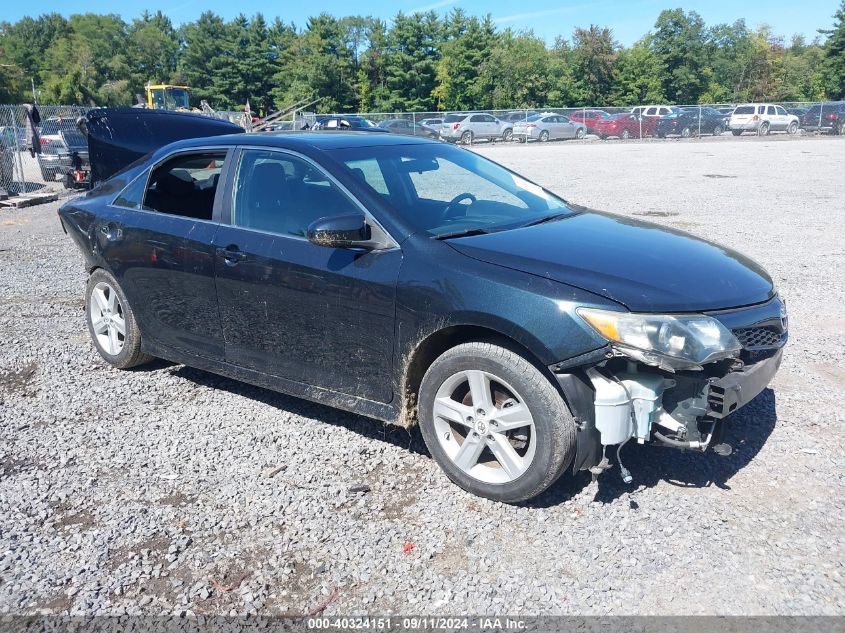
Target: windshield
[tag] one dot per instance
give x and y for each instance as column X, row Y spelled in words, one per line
column 177, row 98
column 442, row 189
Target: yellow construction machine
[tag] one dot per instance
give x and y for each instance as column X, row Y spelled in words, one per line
column 168, row 97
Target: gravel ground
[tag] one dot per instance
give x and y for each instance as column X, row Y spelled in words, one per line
column 170, row 490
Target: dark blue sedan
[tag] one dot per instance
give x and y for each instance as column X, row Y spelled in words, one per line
column 417, row 282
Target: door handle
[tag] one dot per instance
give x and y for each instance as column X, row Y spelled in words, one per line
column 231, row 254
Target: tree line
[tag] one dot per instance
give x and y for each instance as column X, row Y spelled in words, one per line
column 416, row 62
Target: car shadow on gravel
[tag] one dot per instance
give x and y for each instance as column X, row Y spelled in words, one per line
column 410, row 440
column 746, row 431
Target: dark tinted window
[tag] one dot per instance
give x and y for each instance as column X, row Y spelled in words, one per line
column 185, row 185
column 281, row 193
column 744, row 110
column 454, row 118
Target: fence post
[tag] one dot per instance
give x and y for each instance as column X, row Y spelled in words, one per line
column 414, row 122
column 699, row 121
column 18, row 152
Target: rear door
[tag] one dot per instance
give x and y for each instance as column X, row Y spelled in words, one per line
column 776, row 122
column 166, row 257
column 311, row 314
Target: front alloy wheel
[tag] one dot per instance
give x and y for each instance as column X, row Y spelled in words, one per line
column 494, row 422
column 484, row 426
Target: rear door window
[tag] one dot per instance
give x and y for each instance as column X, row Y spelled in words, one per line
column 186, row 185
column 771, row 110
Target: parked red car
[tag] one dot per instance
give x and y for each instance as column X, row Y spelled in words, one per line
column 626, row 125
column 588, row 118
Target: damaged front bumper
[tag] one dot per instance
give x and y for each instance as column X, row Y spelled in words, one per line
column 616, row 398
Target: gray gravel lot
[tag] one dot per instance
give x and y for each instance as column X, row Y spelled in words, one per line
column 170, row 490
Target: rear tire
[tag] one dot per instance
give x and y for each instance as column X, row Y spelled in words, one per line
column 686, row 132
column 466, row 138
column 494, row 422
column 507, row 135
column 625, row 135
column 717, row 131
column 763, row 130
column 736, row 132
column 111, row 322
column 544, row 136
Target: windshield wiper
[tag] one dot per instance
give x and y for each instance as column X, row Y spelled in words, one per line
column 548, row 218
column 465, row 233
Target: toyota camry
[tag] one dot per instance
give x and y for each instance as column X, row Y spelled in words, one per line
column 417, row 282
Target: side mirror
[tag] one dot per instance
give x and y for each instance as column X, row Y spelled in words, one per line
column 341, row 231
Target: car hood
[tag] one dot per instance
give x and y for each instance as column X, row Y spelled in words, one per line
column 643, row 266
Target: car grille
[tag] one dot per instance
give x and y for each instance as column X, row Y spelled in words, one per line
column 758, row 337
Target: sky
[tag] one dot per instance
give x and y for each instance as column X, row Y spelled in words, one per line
column 629, row 19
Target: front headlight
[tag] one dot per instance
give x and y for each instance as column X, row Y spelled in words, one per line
column 668, row 341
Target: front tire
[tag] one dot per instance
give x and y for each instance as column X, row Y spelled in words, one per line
column 625, row 135
column 717, row 131
column 507, row 136
column 793, row 128
column 494, row 422
column 111, row 322
column 736, row 132
column 580, row 133
column 686, row 132
column 763, row 130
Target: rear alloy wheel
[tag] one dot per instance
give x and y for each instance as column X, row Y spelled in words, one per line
column 494, row 422
column 686, row 132
column 111, row 322
column 763, row 130
column 793, row 128
column 717, row 131
column 736, row 132
column 507, row 136
column 544, row 136
column 466, row 138
column 580, row 133
column 625, row 135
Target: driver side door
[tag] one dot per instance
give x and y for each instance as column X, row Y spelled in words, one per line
column 315, row 315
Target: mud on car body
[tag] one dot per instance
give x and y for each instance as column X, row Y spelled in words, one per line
column 416, row 282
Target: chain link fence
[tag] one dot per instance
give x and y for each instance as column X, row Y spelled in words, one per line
column 64, row 150
column 48, row 159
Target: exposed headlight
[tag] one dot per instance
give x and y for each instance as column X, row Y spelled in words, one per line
column 668, row 341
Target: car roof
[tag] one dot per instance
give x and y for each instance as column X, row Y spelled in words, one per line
column 323, row 140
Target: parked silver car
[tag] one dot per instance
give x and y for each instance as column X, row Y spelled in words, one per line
column 548, row 126
column 471, row 126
